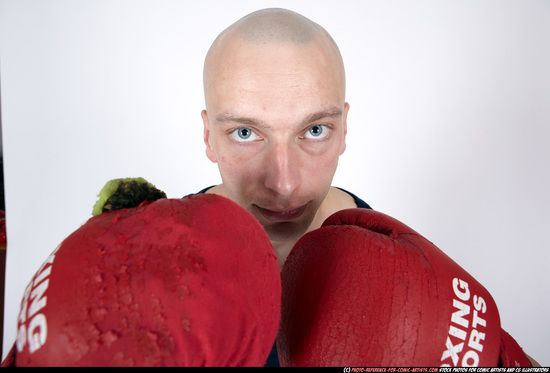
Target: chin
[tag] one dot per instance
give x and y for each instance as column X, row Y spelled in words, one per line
column 285, row 232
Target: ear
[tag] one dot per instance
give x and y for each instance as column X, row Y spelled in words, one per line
column 207, row 141
column 345, row 125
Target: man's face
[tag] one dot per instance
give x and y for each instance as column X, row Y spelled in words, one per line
column 275, row 123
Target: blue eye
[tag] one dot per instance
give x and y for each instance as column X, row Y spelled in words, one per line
column 317, row 131
column 244, row 134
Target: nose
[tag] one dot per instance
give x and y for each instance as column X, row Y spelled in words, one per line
column 282, row 174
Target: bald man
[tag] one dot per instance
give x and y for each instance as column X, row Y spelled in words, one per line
column 275, row 122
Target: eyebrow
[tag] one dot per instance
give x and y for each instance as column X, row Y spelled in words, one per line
column 227, row 117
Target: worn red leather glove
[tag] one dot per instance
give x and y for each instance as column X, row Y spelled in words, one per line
column 175, row 282
column 366, row 290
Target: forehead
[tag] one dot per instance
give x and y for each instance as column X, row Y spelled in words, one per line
column 275, row 74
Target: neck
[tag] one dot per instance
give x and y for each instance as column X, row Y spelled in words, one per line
column 282, row 249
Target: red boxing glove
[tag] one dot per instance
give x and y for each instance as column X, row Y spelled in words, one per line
column 366, row 290
column 176, row 282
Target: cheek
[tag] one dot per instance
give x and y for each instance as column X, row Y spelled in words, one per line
column 322, row 161
column 238, row 166
column 328, row 166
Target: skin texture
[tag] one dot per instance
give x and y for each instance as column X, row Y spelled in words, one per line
column 276, row 121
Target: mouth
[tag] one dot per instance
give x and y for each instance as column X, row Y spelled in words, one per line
column 277, row 216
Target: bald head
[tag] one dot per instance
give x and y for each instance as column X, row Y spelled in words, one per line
column 270, row 27
column 277, row 26
column 275, row 118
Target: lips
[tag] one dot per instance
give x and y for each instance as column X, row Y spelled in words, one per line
column 277, row 216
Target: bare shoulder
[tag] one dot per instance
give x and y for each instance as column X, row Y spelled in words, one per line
column 533, row 361
column 335, row 201
column 340, row 199
column 218, row 189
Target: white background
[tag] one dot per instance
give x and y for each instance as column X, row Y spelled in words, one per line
column 448, row 129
